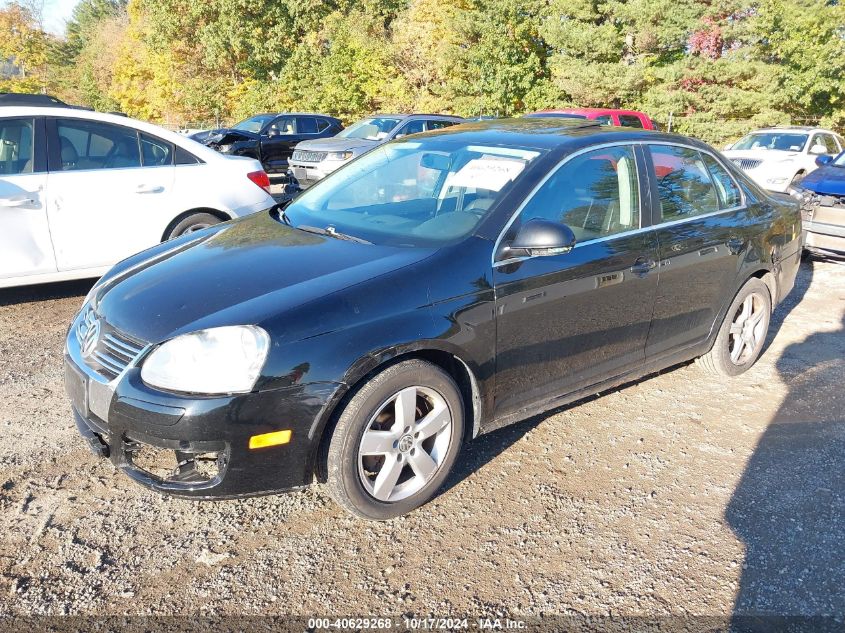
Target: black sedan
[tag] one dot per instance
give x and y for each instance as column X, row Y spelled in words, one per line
column 439, row 287
column 270, row 138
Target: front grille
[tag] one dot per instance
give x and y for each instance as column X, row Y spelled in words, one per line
column 111, row 352
column 747, row 163
column 308, row 157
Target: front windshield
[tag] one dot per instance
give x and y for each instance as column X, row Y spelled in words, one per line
column 373, row 129
column 783, row 141
column 254, row 124
column 413, row 193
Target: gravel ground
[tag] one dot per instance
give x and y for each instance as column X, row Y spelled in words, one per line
column 679, row 494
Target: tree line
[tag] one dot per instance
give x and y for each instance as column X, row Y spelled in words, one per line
column 716, row 67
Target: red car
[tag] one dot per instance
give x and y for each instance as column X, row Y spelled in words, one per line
column 605, row 116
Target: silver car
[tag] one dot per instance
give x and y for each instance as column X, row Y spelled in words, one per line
column 314, row 159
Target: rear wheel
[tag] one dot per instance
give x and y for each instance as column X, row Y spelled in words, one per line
column 743, row 332
column 191, row 223
column 395, row 441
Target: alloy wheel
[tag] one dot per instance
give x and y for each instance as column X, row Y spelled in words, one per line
column 748, row 329
column 404, row 444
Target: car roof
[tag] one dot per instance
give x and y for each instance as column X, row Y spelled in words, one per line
column 551, row 133
column 589, row 111
column 198, row 149
column 274, row 114
column 416, row 115
column 793, row 128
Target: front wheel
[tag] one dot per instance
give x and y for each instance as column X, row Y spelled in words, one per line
column 743, row 332
column 191, row 223
column 395, row 441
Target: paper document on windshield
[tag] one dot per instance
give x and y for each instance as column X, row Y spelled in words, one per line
column 487, row 172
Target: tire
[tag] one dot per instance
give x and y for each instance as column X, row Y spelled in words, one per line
column 191, row 223
column 742, row 334
column 397, row 468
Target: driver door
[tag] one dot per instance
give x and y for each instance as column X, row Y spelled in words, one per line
column 568, row 321
column 105, row 204
column 278, row 140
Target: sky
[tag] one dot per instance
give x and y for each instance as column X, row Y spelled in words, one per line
column 56, row 13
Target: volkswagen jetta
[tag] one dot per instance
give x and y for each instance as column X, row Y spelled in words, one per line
column 438, row 287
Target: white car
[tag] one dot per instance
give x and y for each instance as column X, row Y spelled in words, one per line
column 778, row 157
column 81, row 190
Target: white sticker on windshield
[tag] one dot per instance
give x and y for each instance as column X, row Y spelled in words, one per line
column 487, row 172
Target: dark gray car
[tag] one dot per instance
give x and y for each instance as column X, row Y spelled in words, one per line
column 315, row 159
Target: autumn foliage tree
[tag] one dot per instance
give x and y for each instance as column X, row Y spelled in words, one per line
column 712, row 67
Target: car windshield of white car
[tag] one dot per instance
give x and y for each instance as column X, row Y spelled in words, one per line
column 783, row 141
column 373, row 129
column 414, row 193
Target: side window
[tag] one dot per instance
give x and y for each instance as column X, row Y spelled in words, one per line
column 94, row 145
column 155, row 152
column 817, row 145
column 604, row 119
column 322, row 125
column 683, row 183
column 412, row 127
column 184, row 157
column 438, row 125
column 629, row 120
column 283, row 125
column 830, row 144
column 596, row 194
column 16, row 150
column 306, row 125
column 726, row 188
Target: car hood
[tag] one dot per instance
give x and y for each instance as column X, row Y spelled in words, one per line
column 760, row 154
column 334, row 144
column 246, row 272
column 828, row 180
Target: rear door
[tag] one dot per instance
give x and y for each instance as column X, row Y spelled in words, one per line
column 567, row 321
column 702, row 234
column 25, row 245
column 110, row 191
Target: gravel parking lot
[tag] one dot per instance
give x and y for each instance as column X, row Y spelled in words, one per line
column 679, row 494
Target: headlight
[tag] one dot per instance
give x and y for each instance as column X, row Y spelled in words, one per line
column 214, row 361
column 340, row 155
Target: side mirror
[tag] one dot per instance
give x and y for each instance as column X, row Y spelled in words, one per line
column 823, row 160
column 818, row 150
column 541, row 238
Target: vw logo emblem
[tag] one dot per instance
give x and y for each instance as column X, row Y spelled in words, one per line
column 90, row 338
column 405, row 443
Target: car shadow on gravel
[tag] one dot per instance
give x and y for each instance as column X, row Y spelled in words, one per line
column 44, row 292
column 789, row 507
column 802, row 285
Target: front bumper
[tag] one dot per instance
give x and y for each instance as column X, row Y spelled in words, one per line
column 825, row 230
column 195, row 446
column 306, row 174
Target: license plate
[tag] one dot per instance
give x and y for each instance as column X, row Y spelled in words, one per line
column 76, row 386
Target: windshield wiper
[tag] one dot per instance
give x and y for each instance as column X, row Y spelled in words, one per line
column 332, row 232
column 279, row 209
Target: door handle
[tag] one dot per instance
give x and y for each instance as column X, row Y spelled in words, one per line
column 643, row 266
column 17, row 201
column 735, row 245
column 149, row 189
